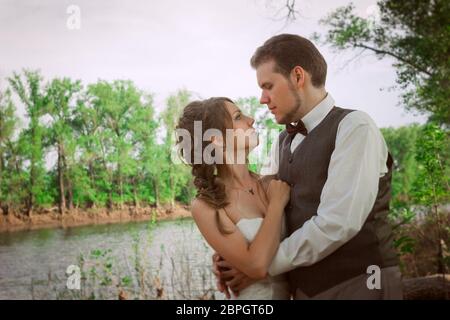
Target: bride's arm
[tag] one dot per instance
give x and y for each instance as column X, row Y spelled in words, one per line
column 252, row 259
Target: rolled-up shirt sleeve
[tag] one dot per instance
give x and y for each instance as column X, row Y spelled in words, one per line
column 358, row 161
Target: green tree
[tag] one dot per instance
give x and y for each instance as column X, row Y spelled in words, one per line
column 60, row 105
column 8, row 126
column 118, row 103
column 401, row 143
column 415, row 34
column 28, row 87
column 15, row 193
column 431, row 187
column 91, row 169
column 147, row 153
column 174, row 106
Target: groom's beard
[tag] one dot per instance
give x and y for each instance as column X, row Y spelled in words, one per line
column 292, row 115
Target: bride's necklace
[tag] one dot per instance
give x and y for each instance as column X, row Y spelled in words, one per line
column 248, row 190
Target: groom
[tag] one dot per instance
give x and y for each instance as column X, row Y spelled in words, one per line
column 339, row 169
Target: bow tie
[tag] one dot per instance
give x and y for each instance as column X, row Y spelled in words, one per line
column 298, row 128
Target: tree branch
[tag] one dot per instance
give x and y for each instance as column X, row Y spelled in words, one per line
column 379, row 51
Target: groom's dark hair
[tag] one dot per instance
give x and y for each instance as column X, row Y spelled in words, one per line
column 289, row 51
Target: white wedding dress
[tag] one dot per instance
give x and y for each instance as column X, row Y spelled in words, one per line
column 270, row 288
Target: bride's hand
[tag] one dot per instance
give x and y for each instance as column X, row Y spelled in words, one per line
column 278, row 193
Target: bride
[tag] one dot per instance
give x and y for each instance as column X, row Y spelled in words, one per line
column 239, row 215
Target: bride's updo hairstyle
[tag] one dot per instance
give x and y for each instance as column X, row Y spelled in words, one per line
column 213, row 114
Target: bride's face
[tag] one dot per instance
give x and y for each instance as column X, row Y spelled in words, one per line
column 244, row 135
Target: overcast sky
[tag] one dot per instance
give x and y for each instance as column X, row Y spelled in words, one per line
column 203, row 46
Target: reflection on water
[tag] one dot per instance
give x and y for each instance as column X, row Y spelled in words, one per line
column 33, row 263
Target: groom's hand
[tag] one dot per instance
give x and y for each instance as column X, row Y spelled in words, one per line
column 221, row 286
column 234, row 279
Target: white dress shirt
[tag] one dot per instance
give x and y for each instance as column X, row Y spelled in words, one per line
column 349, row 193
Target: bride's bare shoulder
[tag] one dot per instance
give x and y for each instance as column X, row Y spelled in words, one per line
column 203, row 213
column 200, row 207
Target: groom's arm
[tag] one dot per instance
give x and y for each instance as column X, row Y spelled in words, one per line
column 358, row 161
column 229, row 278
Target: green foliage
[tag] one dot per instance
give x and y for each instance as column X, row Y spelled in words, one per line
column 174, row 176
column 30, row 90
column 420, row 184
column 416, row 35
column 8, row 124
column 402, row 146
column 405, row 244
column 100, row 142
column 431, row 186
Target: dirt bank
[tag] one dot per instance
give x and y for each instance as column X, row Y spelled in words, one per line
column 51, row 218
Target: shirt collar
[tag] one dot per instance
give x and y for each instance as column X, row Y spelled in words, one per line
column 318, row 113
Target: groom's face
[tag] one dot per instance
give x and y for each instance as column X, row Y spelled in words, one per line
column 278, row 93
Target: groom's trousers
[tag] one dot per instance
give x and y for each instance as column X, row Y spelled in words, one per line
column 357, row 289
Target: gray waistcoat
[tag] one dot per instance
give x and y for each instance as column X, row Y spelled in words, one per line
column 306, row 171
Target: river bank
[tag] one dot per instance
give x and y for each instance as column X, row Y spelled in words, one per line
column 51, row 218
column 169, row 260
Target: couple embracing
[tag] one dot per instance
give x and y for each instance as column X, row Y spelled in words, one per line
column 314, row 221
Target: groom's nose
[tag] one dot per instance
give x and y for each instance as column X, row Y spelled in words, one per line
column 264, row 99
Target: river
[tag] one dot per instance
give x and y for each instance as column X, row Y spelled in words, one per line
column 140, row 260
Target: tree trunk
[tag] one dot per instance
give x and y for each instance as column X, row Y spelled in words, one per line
column 92, row 181
column 5, row 209
column 2, row 164
column 172, row 192
column 121, row 192
column 29, row 209
column 62, row 196
column 434, row 287
column 15, row 206
column 69, row 195
column 34, row 162
column 172, row 199
column 30, row 200
column 136, row 201
column 69, row 204
column 155, row 189
column 1, row 173
column 109, row 202
column 119, row 177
